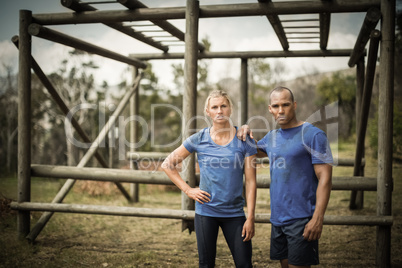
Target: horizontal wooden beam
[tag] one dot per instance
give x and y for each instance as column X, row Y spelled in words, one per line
column 52, row 35
column 207, row 11
column 342, row 220
column 159, row 156
column 101, row 174
column 249, row 54
column 151, row 156
column 338, row 183
column 105, row 210
column 182, row 214
column 159, row 177
column 344, row 162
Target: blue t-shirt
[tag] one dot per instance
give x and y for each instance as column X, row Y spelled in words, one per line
column 221, row 173
column 292, row 154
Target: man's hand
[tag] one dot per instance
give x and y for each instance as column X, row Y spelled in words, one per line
column 243, row 132
column 313, row 230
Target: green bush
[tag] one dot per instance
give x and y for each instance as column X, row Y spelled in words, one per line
column 397, row 133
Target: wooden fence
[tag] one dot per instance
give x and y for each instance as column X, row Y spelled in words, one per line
column 35, row 25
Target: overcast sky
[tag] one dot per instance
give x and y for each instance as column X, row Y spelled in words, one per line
column 225, row 34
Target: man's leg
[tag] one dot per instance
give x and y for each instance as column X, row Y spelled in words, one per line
column 285, row 264
column 279, row 246
column 301, row 253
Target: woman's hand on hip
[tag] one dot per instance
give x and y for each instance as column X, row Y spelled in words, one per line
column 198, row 195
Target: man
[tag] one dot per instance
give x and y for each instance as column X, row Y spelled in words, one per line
column 301, row 181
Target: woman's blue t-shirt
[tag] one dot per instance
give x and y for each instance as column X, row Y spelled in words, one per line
column 221, row 173
column 292, row 154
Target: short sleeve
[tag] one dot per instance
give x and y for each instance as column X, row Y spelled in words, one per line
column 250, row 146
column 192, row 142
column 320, row 149
column 262, row 144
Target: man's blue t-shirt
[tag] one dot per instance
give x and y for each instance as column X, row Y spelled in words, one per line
column 292, row 154
column 221, row 173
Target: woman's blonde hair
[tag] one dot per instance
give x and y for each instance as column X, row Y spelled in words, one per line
column 215, row 94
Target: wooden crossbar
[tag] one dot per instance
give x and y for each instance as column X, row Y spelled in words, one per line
column 183, row 214
column 159, row 156
column 159, row 177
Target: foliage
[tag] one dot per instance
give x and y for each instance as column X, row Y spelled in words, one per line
column 8, row 121
column 398, row 35
column 340, row 88
column 202, row 75
column 75, row 83
column 262, row 78
column 157, row 108
column 397, row 121
column 260, row 75
column 203, row 85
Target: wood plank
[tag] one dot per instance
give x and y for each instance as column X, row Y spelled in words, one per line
column 159, row 177
column 208, row 11
column 183, row 214
column 249, row 54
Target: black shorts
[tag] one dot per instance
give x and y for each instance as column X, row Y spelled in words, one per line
column 287, row 242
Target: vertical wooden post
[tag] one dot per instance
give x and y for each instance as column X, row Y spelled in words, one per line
column 112, row 137
column 365, row 108
column 243, row 92
column 360, row 76
column 385, row 130
column 134, row 111
column 24, row 122
column 189, row 99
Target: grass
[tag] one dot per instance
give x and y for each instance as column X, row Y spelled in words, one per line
column 78, row 240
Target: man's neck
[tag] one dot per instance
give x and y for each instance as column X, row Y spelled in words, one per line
column 292, row 124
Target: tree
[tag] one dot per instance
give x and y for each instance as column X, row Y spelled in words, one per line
column 397, row 123
column 262, row 78
column 202, row 75
column 203, row 85
column 8, row 119
column 156, row 107
column 75, row 84
column 341, row 88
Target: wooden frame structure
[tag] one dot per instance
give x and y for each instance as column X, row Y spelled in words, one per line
column 35, row 25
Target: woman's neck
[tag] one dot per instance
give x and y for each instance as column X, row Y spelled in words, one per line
column 222, row 134
column 222, row 129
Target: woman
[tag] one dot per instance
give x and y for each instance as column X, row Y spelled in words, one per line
column 219, row 202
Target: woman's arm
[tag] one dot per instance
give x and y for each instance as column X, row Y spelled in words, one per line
column 169, row 167
column 251, row 194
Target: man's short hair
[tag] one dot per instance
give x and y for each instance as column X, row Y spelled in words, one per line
column 280, row 89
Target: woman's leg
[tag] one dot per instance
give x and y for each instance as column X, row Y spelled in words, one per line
column 241, row 251
column 206, row 230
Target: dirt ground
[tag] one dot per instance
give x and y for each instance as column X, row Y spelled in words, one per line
column 77, row 240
